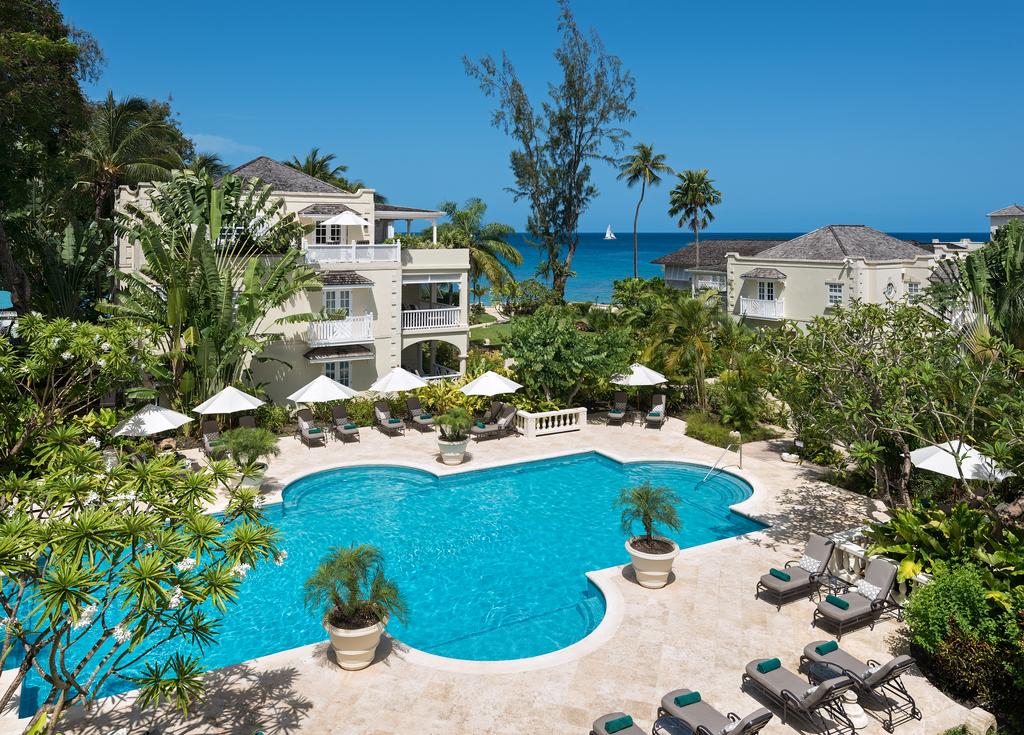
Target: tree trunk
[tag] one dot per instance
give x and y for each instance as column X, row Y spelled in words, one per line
column 14, row 275
column 696, row 244
column 636, row 216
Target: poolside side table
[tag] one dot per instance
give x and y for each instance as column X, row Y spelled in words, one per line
column 669, row 725
column 820, row 671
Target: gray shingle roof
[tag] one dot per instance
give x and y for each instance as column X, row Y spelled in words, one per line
column 344, row 278
column 838, row 242
column 712, row 253
column 1013, row 209
column 324, row 209
column 766, row 274
column 396, row 208
column 283, row 178
column 339, row 352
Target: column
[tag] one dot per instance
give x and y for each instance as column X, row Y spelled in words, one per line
column 433, row 230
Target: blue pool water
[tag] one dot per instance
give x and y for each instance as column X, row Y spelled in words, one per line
column 491, row 562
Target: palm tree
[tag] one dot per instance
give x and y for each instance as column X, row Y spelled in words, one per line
column 490, row 255
column 351, row 589
column 692, row 200
column 319, row 165
column 686, row 329
column 209, row 163
column 649, row 505
column 125, row 142
column 645, row 167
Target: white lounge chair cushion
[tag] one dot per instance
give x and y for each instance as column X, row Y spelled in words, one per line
column 809, row 564
column 868, row 590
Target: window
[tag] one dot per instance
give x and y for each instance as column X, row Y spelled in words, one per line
column 336, row 299
column 913, row 291
column 338, row 371
column 335, row 233
column 835, row 294
column 766, row 290
column 321, row 234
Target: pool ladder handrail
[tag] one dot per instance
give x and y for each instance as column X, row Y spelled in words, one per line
column 715, row 465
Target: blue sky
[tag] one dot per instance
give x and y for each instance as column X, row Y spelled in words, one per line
column 900, row 115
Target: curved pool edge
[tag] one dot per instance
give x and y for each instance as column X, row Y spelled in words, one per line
column 614, row 613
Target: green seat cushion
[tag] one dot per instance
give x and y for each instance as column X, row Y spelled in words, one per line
column 481, row 425
column 684, row 700
column 313, row 430
column 618, row 724
column 779, row 574
column 769, row 664
column 826, row 647
column 617, row 410
column 394, row 421
column 654, row 415
column 837, row 601
column 426, row 416
column 350, row 426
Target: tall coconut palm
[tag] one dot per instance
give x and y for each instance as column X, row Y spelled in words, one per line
column 691, row 200
column 209, row 163
column 685, row 337
column 644, row 167
column 125, row 142
column 490, row 254
column 319, row 165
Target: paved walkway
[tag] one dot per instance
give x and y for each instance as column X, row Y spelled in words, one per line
column 698, row 632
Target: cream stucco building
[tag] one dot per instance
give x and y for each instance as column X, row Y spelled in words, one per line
column 767, row 281
column 403, row 306
column 1000, row 217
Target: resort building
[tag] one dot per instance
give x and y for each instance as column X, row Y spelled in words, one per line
column 770, row 280
column 1000, row 217
column 382, row 305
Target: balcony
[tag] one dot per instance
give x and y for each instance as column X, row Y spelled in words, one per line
column 354, row 330
column 419, row 320
column 352, row 253
column 761, row 308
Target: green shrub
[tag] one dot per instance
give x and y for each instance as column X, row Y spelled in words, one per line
column 273, row 417
column 246, row 446
column 360, row 410
column 953, row 598
column 707, row 428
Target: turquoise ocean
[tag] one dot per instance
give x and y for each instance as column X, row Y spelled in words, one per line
column 599, row 262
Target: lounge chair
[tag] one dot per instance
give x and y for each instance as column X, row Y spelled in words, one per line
column 493, row 413
column 343, row 426
column 865, row 603
column 212, row 446
column 620, row 722
column 656, row 416
column 804, row 575
column 703, row 719
column 246, row 422
column 617, row 413
column 385, row 421
column 420, row 418
column 504, row 425
column 820, row 705
column 310, row 434
column 879, row 683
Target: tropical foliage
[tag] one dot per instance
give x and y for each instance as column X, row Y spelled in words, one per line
column 579, row 123
column 490, row 254
column 684, row 343
column 691, row 200
column 454, row 424
column 645, row 167
column 351, row 589
column 219, row 259
column 322, row 166
column 649, row 505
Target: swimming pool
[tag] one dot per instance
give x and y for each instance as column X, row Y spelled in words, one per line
column 491, row 562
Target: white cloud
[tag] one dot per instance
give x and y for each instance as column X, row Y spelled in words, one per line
column 226, row 147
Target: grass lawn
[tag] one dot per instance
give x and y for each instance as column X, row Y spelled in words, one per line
column 496, row 333
column 483, row 318
column 707, row 428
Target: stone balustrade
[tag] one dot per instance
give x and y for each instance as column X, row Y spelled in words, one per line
column 851, row 559
column 550, row 422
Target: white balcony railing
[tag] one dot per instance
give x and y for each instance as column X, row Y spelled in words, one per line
column 761, row 308
column 353, row 330
column 704, row 284
column 441, row 372
column 341, row 253
column 550, row 422
column 418, row 319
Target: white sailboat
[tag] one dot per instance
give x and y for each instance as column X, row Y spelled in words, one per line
column 608, row 234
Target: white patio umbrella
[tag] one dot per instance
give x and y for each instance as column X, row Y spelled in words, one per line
column 490, row 384
column 229, row 400
column 396, row 381
column 347, row 217
column 149, row 420
column 639, row 375
column 942, row 458
column 322, row 389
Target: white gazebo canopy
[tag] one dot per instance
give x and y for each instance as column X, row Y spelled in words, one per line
column 346, row 218
column 322, row 389
column 943, row 458
column 149, row 420
column 229, row 400
column 490, row 384
column 640, row 375
column 396, row 381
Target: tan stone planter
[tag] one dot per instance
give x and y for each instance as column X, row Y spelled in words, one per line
column 652, row 570
column 452, row 452
column 355, row 649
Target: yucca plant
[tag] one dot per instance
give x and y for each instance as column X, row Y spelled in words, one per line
column 351, row 590
column 651, row 506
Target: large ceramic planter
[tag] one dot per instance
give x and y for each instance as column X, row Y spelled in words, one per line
column 652, row 570
column 256, row 480
column 355, row 649
column 452, row 452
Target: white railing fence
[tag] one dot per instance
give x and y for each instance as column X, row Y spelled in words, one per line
column 340, row 331
column 432, row 318
column 550, row 422
column 761, row 308
column 352, row 253
column 442, row 372
column 851, row 559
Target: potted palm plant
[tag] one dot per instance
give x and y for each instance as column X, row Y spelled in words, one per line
column 246, row 447
column 453, row 437
column 652, row 555
column 356, row 600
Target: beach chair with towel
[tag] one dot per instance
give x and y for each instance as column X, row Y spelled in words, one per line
column 798, row 577
column 617, row 413
column 344, row 427
column 704, row 719
column 864, row 603
column 616, row 723
column 820, row 705
column 656, row 416
column 387, row 423
column 505, row 424
column 310, row 434
column 212, row 446
column 421, row 419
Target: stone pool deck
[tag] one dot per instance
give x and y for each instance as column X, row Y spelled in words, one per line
column 698, row 632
